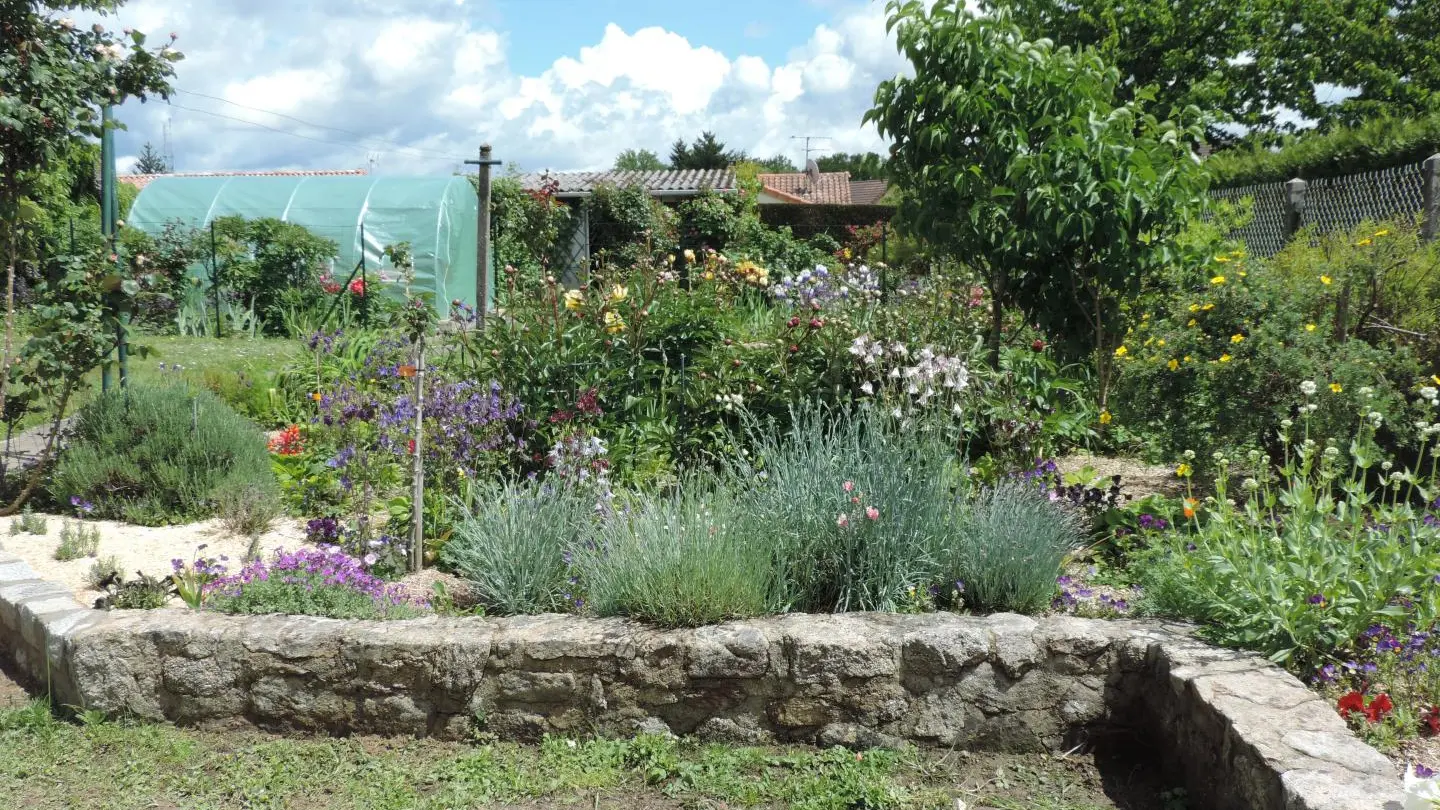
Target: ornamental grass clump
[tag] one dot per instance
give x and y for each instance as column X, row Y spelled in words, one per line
column 322, row 581
column 514, row 545
column 854, row 507
column 688, row 559
column 1009, row 546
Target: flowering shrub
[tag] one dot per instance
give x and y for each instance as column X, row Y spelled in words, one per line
column 322, row 581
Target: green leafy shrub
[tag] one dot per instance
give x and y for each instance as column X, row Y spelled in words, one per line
column 683, row 560
column 1008, row 548
column 1377, row 144
column 156, row 455
column 1305, row 565
column 515, row 546
column 145, row 592
column 1242, row 331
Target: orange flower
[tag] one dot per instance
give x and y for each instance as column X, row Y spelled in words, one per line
column 405, row 371
column 287, row 442
column 1190, row 504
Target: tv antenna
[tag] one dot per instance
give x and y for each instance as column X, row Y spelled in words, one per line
column 374, row 160
column 807, row 139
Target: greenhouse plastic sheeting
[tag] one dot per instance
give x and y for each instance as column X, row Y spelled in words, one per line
column 361, row 213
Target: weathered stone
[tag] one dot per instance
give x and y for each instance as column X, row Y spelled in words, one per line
column 1237, row 731
column 653, row 726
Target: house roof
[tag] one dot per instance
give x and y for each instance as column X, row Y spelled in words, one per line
column 665, row 183
column 867, row 192
column 143, row 180
column 830, row 188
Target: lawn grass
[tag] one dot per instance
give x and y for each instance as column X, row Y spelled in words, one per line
column 237, row 369
column 50, row 763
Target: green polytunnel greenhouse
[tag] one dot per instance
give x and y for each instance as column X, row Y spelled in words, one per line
column 360, row 213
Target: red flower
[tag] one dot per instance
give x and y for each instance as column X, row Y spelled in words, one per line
column 1351, row 702
column 412, row 447
column 330, row 287
column 1379, row 706
column 793, row 322
column 1037, row 346
column 287, row 442
column 358, row 286
column 1430, row 721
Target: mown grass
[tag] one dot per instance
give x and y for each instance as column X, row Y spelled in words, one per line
column 49, row 763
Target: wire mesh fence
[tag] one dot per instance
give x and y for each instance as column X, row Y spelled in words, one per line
column 1328, row 204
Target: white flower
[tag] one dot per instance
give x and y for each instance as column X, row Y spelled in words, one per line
column 1421, row 794
column 1375, row 418
column 1366, row 391
column 1189, row 455
column 867, row 389
column 1286, row 424
column 1307, row 388
column 371, row 559
column 1386, row 465
column 1250, row 484
column 66, row 23
column 897, row 413
column 1312, row 407
column 1429, row 392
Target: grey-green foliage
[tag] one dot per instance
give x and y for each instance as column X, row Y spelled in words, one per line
column 686, row 559
column 1008, row 548
column 155, row 455
column 248, row 510
column 28, row 523
column 514, row 546
column 77, row 540
column 102, row 570
column 795, row 487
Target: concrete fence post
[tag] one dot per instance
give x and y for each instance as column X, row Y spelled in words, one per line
column 1294, row 205
column 1430, row 196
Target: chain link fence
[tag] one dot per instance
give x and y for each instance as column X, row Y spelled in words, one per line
column 1334, row 203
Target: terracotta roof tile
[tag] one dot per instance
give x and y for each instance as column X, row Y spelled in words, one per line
column 831, row 188
column 143, row 180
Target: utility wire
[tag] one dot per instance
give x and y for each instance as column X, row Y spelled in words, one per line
column 445, row 155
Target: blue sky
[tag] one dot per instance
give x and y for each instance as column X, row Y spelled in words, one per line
column 413, row 86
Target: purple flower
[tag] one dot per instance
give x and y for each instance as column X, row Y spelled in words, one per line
column 1423, row 772
column 1316, row 599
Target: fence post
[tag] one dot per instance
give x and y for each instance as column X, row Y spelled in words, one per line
column 1294, row 205
column 1430, row 194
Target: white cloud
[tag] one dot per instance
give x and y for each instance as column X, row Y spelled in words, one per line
column 425, row 83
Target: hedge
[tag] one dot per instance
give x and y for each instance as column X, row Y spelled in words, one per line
column 1378, row 144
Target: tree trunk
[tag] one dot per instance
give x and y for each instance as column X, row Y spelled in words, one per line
column 997, row 315
column 5, row 356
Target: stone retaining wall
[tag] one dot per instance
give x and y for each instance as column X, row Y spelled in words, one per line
column 1238, row 732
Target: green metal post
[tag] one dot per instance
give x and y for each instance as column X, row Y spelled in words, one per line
column 107, row 206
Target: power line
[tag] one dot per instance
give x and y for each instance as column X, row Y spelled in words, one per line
column 362, row 136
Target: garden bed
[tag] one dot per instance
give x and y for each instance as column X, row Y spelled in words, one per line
column 1233, row 729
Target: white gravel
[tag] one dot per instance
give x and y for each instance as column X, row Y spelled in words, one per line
column 140, row 548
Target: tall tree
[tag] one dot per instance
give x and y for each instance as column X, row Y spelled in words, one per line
column 638, row 160
column 706, row 152
column 1016, row 155
column 779, row 164
column 866, row 166
column 151, row 161
column 1251, row 61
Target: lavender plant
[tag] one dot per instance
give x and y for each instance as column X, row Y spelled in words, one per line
column 321, row 581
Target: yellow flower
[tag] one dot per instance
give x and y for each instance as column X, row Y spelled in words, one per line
column 613, row 322
column 1121, row 352
column 1106, row 418
column 1183, row 470
column 1336, row 388
column 1208, row 307
column 1243, row 274
column 1382, row 232
column 1435, row 378
column 1309, row 327
column 574, row 300
column 1160, row 342
column 1185, row 359
column 1191, row 322
column 1225, row 358
column 1238, row 253
column 1145, row 317
column 316, row 396
column 1325, row 280
column 689, row 256
column 1364, row 242
column 1218, row 279
column 709, row 275
column 1237, row 338
column 1222, row 259
column 1194, row 307
column 1173, row 364
column 618, row 293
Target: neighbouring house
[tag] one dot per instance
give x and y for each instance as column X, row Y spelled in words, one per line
column 813, row 202
column 362, row 213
